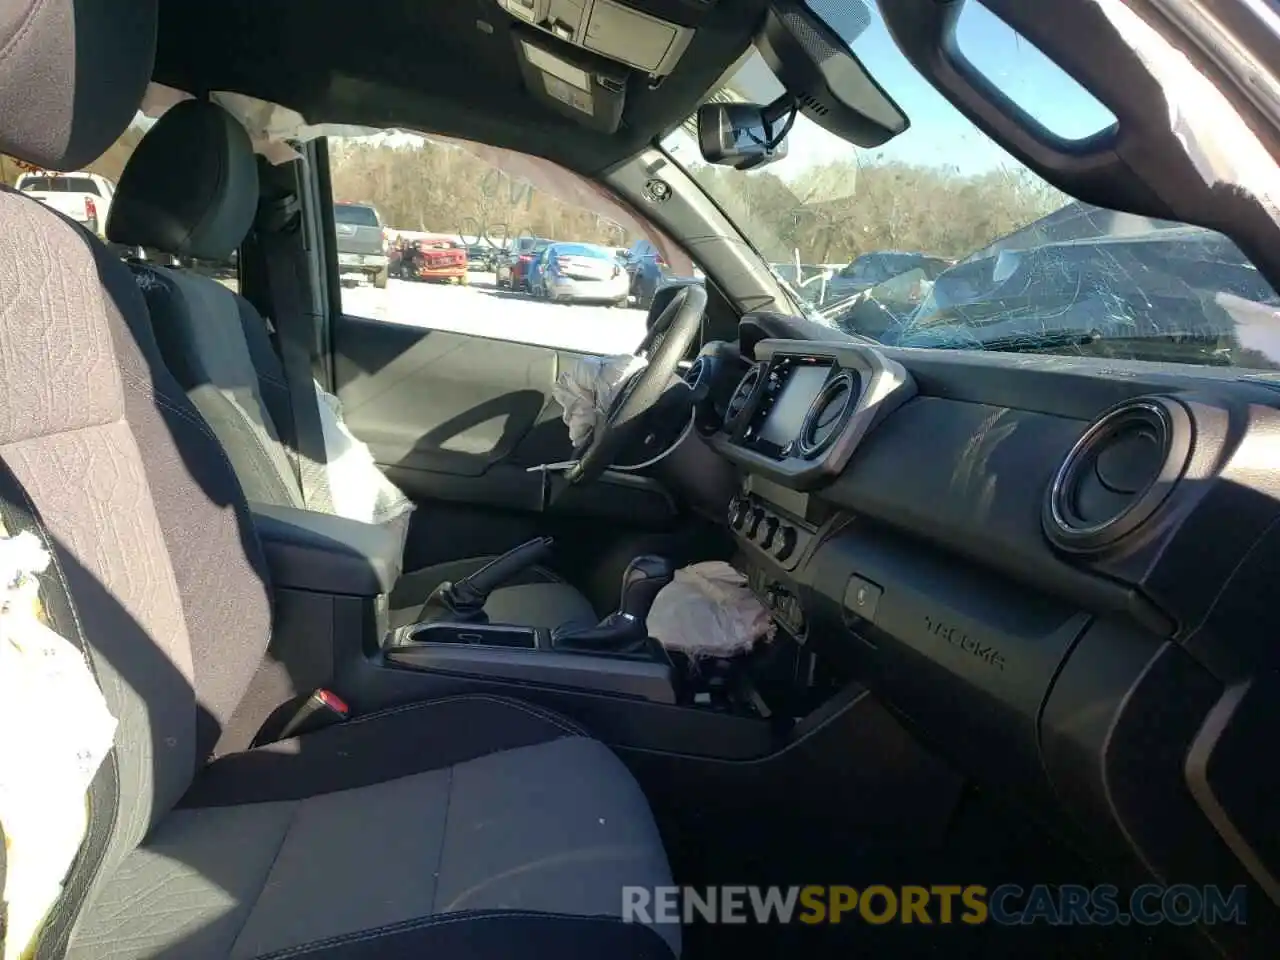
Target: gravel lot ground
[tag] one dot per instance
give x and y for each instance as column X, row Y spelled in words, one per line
column 482, row 309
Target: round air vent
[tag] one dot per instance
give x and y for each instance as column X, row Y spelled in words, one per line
column 828, row 415
column 1118, row 474
column 742, row 396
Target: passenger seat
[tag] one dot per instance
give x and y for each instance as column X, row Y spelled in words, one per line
column 473, row 826
column 191, row 190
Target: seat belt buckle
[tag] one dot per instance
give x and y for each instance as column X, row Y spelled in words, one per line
column 301, row 715
column 323, row 708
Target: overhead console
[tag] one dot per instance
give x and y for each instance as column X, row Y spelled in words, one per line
column 646, row 36
column 579, row 56
column 798, row 415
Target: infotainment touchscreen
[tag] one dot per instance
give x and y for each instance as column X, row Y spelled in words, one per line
column 798, row 393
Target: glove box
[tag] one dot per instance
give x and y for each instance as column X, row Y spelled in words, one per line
column 963, row 655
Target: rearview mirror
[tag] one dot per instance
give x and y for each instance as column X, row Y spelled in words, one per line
column 739, row 135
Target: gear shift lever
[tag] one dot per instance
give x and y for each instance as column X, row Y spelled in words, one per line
column 624, row 630
column 644, row 577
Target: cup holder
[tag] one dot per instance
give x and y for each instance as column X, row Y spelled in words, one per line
column 470, row 634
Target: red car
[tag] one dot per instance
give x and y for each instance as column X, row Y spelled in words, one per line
column 433, row 258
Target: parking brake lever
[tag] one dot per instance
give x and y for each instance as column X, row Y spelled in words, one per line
column 463, row 600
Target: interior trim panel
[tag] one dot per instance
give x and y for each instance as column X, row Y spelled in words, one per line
column 1056, row 574
column 802, row 410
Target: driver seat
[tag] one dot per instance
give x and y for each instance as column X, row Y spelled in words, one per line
column 191, row 190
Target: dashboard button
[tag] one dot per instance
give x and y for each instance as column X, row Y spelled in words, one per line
column 861, row 598
column 770, row 531
column 786, row 543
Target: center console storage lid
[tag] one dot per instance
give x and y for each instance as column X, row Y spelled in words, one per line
column 307, row 550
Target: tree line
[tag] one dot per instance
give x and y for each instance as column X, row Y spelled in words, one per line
column 892, row 206
column 876, row 204
column 438, row 188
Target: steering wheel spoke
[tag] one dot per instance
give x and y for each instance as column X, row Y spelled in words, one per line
column 667, row 343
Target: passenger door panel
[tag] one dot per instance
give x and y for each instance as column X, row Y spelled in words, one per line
column 461, row 418
column 438, row 401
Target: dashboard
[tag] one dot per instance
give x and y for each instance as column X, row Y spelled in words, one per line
column 798, row 414
column 1057, row 573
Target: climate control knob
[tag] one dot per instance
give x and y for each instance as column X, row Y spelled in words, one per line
column 770, row 531
column 739, row 510
column 786, row 543
column 757, row 517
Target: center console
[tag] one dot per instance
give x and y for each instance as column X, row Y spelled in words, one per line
column 331, row 578
column 791, row 422
column 528, row 656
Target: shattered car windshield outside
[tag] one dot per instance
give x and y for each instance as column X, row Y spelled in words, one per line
column 940, row 239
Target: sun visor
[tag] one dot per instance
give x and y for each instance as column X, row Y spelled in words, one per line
column 587, row 89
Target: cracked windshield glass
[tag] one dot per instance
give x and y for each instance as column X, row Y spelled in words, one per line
column 941, row 239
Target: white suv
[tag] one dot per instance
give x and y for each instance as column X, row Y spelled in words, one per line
column 84, row 197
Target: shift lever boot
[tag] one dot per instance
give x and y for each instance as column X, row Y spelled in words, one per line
column 624, row 630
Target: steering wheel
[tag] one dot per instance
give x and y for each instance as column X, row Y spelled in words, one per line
column 656, row 330
column 675, row 330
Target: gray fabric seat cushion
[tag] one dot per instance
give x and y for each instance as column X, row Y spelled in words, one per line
column 200, row 327
column 507, row 832
column 483, row 813
column 191, row 188
column 218, row 348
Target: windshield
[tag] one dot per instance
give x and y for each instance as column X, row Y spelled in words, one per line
column 355, row 215
column 941, row 239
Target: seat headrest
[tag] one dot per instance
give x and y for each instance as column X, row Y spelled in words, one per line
column 191, row 187
column 72, row 73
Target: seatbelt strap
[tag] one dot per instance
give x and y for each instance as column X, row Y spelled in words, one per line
column 280, row 240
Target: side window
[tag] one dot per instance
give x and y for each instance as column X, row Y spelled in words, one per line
column 473, row 239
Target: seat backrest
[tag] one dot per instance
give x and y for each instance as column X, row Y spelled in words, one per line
column 157, row 572
column 191, row 190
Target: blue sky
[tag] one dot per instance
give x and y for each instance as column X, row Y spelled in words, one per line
column 939, row 134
